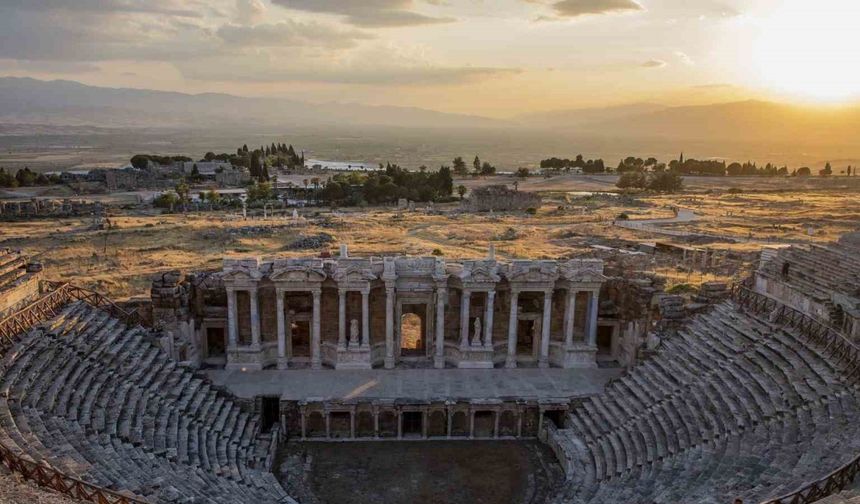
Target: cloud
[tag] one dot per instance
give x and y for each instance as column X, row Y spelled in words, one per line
column 168, row 7
column 654, row 63
column 290, row 34
column 576, row 8
column 685, row 58
column 250, row 11
column 367, row 13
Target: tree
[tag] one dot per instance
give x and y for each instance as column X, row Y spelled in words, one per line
column 166, row 200
column 260, row 191
column 461, row 190
column 7, row 179
column 476, row 164
column 803, row 171
column 182, row 191
column 212, row 196
column 488, row 169
column 522, row 172
column 668, row 182
column 195, row 174
column 460, row 166
column 827, row 171
column 632, row 180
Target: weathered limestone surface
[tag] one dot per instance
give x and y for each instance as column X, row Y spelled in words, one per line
column 346, row 313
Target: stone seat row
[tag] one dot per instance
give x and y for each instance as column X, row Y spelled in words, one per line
column 155, row 425
column 819, row 268
column 99, row 401
column 724, row 376
column 759, row 463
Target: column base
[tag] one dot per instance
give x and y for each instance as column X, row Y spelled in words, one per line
column 244, row 359
column 283, row 363
column 543, row 364
column 438, row 362
column 475, row 358
column 578, row 355
column 353, row 358
column 316, row 365
column 389, row 363
column 511, row 362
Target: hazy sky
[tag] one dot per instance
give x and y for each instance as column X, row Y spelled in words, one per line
column 498, row 58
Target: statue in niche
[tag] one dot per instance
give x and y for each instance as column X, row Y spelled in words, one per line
column 353, row 332
column 476, row 336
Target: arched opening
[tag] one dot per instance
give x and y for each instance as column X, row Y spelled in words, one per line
column 786, row 269
column 411, row 335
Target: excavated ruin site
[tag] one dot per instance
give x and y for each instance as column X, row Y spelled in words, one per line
column 396, row 378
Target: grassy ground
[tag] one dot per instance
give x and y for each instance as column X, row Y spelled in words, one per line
column 120, row 260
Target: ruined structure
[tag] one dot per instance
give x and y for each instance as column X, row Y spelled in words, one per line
column 349, row 313
column 499, row 198
column 19, row 280
column 47, row 208
column 820, row 280
column 738, row 394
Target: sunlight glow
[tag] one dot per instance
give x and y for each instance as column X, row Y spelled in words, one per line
column 811, row 49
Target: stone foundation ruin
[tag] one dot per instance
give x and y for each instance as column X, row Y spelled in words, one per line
column 498, row 198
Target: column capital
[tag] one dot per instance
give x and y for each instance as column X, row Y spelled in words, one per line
column 342, row 291
column 316, row 291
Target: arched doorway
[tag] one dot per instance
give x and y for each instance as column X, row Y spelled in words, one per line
column 412, row 342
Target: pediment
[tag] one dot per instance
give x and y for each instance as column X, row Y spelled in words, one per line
column 533, row 271
column 297, row 273
column 587, row 271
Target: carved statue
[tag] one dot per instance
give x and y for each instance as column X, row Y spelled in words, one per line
column 353, row 332
column 476, row 337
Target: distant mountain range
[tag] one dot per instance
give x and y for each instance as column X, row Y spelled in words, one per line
column 67, row 103
column 59, row 102
column 744, row 121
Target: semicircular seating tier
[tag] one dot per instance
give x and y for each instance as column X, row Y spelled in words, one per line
column 99, row 401
column 730, row 406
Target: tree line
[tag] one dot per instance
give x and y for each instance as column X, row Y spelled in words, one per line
column 387, row 186
column 26, row 178
column 587, row 166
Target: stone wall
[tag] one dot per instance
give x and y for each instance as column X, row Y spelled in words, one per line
column 499, row 198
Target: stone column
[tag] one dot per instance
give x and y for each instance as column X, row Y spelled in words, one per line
column 255, row 319
column 592, row 318
column 511, row 360
column 365, row 318
column 569, row 316
column 232, row 319
column 543, row 359
column 389, row 326
column 465, row 299
column 488, row 320
column 282, row 331
column 441, row 299
column 316, row 359
column 341, row 319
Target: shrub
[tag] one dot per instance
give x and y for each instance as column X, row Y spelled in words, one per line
column 531, row 211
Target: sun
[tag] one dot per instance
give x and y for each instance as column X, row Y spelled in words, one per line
column 811, row 49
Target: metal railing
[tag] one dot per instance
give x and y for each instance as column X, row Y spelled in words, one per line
column 835, row 346
column 21, row 321
column 50, row 478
